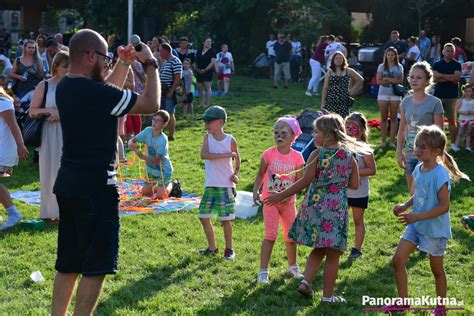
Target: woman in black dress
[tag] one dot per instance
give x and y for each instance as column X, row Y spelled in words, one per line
column 204, row 68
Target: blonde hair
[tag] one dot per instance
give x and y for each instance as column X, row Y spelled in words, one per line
column 361, row 120
column 333, row 125
column 426, row 68
column 4, row 94
column 435, row 138
column 61, row 57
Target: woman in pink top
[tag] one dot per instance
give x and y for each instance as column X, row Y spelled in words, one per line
column 280, row 167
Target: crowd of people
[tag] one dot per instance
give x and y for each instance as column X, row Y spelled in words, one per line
column 112, row 85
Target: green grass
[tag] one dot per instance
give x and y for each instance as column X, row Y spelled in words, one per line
column 160, row 272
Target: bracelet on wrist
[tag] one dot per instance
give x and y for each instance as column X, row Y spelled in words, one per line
column 123, row 62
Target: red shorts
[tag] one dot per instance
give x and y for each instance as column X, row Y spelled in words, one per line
column 222, row 76
column 133, row 124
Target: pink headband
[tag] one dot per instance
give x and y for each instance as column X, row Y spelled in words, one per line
column 295, row 126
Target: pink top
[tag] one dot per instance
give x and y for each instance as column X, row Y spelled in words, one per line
column 278, row 165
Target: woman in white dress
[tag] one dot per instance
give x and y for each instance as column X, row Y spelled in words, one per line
column 52, row 139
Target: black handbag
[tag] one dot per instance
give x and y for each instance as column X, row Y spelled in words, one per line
column 33, row 128
column 399, row 90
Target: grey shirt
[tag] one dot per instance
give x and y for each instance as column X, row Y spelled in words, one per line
column 363, row 190
column 391, row 73
column 416, row 116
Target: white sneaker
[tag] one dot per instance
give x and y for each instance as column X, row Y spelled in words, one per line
column 308, row 93
column 262, row 277
column 454, row 147
column 469, row 149
column 13, row 219
column 316, row 94
column 294, row 272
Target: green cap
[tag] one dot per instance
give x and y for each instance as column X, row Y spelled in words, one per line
column 214, row 112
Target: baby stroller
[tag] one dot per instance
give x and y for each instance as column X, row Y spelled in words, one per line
column 304, row 143
column 259, row 67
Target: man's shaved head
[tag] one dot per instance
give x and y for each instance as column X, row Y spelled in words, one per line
column 85, row 40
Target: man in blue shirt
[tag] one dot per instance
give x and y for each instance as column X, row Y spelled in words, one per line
column 447, row 73
column 282, row 60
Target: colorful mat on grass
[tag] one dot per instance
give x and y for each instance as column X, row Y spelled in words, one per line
column 131, row 201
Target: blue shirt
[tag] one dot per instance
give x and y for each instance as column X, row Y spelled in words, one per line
column 427, row 186
column 156, row 144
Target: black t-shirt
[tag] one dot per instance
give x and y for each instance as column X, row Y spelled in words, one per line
column 203, row 60
column 282, row 52
column 447, row 89
column 401, row 46
column 188, row 54
column 89, row 110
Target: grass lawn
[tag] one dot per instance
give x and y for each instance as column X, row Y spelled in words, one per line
column 161, row 272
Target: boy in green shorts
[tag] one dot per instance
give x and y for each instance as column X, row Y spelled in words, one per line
column 218, row 151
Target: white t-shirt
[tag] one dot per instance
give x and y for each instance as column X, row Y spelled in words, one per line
column 219, row 171
column 224, row 62
column 6, row 61
column 8, row 149
column 270, row 50
column 466, row 106
column 296, row 48
column 416, row 50
column 330, row 50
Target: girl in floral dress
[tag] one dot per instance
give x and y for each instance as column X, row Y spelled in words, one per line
column 322, row 220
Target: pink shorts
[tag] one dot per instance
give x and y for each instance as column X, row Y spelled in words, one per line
column 272, row 215
column 222, row 76
column 133, row 124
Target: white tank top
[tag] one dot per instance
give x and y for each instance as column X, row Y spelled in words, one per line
column 219, row 171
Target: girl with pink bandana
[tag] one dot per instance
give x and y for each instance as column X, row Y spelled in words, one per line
column 280, row 167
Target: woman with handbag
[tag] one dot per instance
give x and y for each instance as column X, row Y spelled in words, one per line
column 43, row 106
column 389, row 75
column 11, row 147
column 336, row 95
column 27, row 70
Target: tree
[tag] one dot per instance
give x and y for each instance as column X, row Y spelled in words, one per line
column 423, row 8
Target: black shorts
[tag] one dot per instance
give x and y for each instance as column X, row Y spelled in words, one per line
column 88, row 233
column 189, row 98
column 358, row 202
column 205, row 77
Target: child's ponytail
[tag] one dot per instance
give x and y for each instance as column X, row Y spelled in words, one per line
column 452, row 167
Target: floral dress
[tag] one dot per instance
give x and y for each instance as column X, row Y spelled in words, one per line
column 322, row 220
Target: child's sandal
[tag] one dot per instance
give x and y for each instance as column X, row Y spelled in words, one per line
column 306, row 289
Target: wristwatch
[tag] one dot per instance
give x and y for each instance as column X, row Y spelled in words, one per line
column 151, row 62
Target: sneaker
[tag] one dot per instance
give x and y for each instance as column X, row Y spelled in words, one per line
column 454, row 147
column 176, row 190
column 316, row 94
column 294, row 272
column 229, row 254
column 440, row 310
column 308, row 93
column 13, row 218
column 469, row 149
column 208, row 251
column 263, row 277
column 333, row 300
column 355, row 253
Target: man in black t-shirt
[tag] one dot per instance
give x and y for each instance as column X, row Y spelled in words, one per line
column 400, row 46
column 447, row 73
column 88, row 232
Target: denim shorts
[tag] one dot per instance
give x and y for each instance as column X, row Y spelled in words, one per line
column 168, row 104
column 431, row 245
column 410, row 165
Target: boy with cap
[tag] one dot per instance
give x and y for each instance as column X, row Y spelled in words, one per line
column 218, row 150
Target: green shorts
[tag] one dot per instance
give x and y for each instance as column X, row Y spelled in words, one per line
column 449, row 106
column 218, row 202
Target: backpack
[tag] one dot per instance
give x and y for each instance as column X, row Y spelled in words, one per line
column 304, row 142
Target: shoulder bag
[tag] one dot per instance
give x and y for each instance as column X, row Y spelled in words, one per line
column 33, row 127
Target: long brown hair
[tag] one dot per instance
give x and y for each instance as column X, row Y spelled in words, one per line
column 333, row 125
column 36, row 56
column 386, row 66
column 344, row 65
column 435, row 138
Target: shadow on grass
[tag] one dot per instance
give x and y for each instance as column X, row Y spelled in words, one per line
column 18, row 228
column 158, row 279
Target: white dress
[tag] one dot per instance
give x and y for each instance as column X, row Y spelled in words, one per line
column 50, row 158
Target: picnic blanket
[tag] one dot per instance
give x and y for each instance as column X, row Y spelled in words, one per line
column 131, row 201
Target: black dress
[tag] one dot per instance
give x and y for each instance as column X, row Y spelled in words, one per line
column 202, row 61
column 338, row 99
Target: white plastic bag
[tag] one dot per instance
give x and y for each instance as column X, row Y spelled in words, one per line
column 244, row 206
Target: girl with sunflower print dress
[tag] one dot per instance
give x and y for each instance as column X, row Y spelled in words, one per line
column 322, row 220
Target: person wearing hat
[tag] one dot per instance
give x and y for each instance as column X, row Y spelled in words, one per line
column 218, row 151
